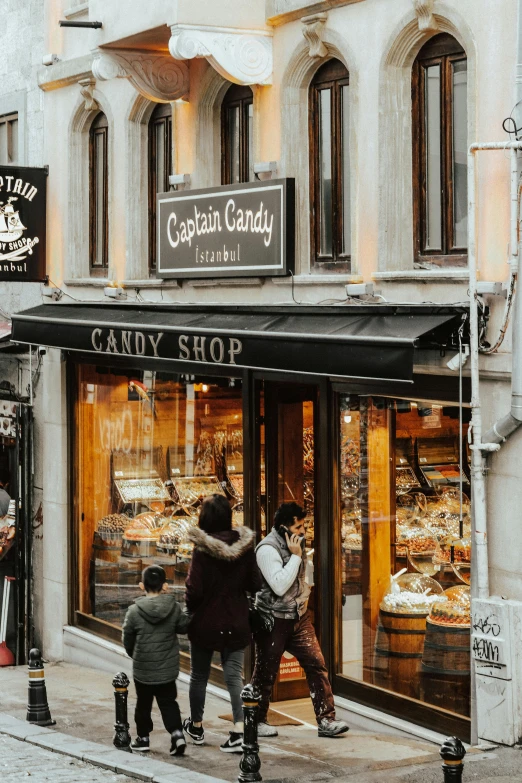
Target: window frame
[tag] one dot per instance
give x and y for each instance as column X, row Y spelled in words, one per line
column 99, row 127
column 242, row 98
column 336, row 76
column 8, row 120
column 162, row 115
column 442, row 50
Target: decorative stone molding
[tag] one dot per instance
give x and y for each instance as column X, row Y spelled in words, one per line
column 87, row 92
column 424, row 13
column 240, row 56
column 155, row 76
column 313, row 31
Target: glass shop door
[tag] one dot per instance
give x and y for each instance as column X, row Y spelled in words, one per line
column 288, row 473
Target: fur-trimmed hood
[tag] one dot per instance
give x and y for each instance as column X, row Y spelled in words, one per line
column 220, row 548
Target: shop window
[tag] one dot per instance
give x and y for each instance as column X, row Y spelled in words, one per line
column 148, row 448
column 9, row 139
column 99, row 196
column 330, row 209
column 405, row 549
column 160, row 167
column 439, row 131
column 237, row 136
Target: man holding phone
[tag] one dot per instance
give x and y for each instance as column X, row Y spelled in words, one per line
column 281, row 558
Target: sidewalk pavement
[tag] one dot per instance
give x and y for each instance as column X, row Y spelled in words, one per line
column 82, row 703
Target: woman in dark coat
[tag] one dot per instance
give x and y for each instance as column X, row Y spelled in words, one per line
column 222, row 572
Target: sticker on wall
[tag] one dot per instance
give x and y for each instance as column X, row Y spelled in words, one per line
column 289, row 668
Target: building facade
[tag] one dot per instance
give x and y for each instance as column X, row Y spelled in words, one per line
column 284, row 386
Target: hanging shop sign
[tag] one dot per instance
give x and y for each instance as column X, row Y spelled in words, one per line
column 23, row 193
column 232, row 231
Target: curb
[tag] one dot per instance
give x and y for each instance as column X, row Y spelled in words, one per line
column 98, row 755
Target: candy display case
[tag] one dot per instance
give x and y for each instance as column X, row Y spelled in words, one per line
column 174, row 533
column 141, row 489
column 455, row 609
column 142, row 535
column 190, row 490
column 411, row 594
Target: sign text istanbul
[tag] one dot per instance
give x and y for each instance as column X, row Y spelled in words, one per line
column 22, row 223
column 233, row 231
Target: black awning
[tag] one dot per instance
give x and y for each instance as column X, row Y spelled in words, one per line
column 371, row 342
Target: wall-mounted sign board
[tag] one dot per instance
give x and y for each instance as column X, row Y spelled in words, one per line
column 23, row 204
column 238, row 230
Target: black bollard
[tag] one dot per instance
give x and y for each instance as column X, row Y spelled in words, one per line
column 122, row 738
column 452, row 753
column 250, row 763
column 38, row 711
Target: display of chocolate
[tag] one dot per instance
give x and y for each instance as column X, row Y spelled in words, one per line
column 417, row 539
column 174, row 533
column 192, row 489
column 133, row 490
column 411, row 594
column 112, row 527
column 454, row 609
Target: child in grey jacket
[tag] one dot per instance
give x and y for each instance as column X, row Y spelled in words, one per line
column 150, row 637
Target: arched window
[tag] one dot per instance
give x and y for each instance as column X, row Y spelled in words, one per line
column 440, row 132
column 237, row 121
column 160, row 167
column 330, row 166
column 98, row 196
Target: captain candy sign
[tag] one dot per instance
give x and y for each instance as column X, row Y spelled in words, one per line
column 233, row 231
column 22, row 223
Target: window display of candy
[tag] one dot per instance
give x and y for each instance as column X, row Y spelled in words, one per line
column 134, row 490
column 192, row 490
column 411, row 594
column 174, row 533
column 455, row 609
column 112, row 527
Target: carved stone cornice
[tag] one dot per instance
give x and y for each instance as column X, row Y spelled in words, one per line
column 155, row 76
column 424, row 13
column 313, row 31
column 240, row 56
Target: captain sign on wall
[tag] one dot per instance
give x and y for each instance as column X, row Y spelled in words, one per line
column 22, row 223
column 233, row 231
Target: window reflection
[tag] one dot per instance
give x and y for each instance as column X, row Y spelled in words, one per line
column 149, row 448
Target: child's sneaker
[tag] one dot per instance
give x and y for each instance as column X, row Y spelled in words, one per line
column 196, row 733
column 178, row 744
column 141, row 743
column 233, row 744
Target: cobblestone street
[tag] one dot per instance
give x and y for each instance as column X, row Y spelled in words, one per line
column 20, row 760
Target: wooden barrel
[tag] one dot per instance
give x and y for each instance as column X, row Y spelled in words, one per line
column 445, row 670
column 104, row 550
column 398, row 652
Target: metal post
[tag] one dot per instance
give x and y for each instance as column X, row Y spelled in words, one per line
column 122, row 738
column 452, row 753
column 250, row 763
column 37, row 707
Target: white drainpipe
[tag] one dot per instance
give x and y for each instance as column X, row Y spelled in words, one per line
column 488, row 443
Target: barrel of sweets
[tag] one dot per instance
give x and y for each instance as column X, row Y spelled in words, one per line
column 445, row 671
column 399, row 643
column 108, row 549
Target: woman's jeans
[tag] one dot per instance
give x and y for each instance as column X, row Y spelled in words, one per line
column 200, row 661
